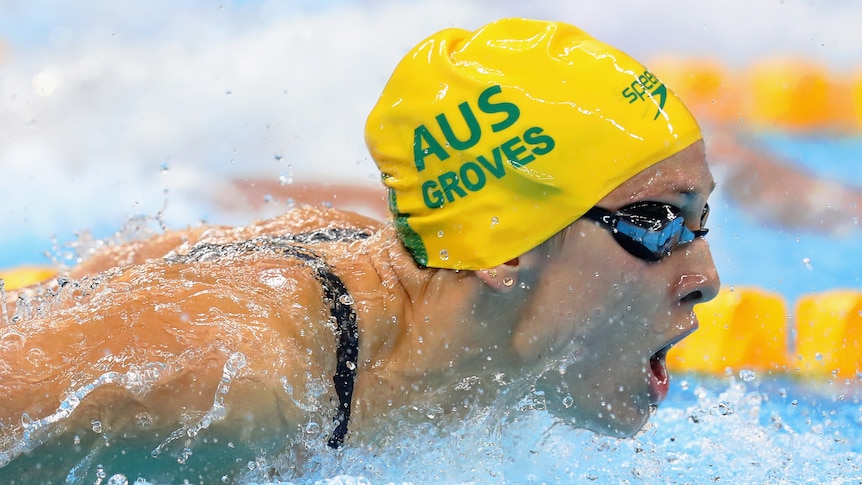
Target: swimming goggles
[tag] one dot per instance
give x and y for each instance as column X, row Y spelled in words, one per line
column 648, row 230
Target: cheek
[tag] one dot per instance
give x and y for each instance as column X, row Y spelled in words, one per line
column 617, row 308
column 570, row 310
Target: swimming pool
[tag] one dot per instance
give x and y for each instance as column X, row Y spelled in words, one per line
column 745, row 427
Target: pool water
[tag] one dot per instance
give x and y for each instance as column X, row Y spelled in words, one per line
column 734, row 429
column 749, row 429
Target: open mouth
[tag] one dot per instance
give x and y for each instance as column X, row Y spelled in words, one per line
column 659, row 380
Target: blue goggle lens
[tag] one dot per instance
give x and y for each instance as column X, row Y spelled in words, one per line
column 648, row 230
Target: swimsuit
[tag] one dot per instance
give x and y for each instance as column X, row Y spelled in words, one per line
column 340, row 301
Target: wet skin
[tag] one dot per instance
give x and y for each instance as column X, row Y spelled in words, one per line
column 612, row 316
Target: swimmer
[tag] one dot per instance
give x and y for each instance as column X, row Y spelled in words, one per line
column 548, row 199
column 778, row 194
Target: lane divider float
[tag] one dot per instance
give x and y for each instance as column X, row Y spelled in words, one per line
column 788, row 94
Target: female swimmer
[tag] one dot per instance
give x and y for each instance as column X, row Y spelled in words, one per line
column 548, row 199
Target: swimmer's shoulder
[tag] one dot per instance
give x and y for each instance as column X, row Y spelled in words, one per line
column 302, row 220
column 308, row 219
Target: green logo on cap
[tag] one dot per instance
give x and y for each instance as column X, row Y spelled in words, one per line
column 647, row 85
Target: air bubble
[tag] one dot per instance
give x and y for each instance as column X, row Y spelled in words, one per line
column 444, row 254
column 494, row 221
column 346, row 299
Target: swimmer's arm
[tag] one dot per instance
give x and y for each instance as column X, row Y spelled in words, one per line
column 188, row 329
column 778, row 192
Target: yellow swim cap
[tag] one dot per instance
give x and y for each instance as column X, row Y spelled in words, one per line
column 491, row 142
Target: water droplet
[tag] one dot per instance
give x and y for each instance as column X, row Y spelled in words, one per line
column 568, row 401
column 77, row 440
column 273, row 278
column 312, row 428
column 97, row 426
column 807, row 263
column 444, row 254
column 439, row 233
column 494, row 221
column 278, row 156
column 118, row 479
column 346, row 299
column 143, row 419
column 508, row 281
column 725, row 408
column 164, row 168
column 267, row 198
column 747, row 375
column 350, row 365
column 285, row 178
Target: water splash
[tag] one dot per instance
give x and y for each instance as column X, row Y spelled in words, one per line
column 3, row 309
column 35, row 432
column 235, row 362
column 85, row 245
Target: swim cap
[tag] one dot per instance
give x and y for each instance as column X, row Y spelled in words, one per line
column 492, row 141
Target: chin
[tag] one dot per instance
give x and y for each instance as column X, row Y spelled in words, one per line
column 620, row 428
column 629, row 411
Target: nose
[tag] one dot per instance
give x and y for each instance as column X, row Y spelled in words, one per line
column 699, row 281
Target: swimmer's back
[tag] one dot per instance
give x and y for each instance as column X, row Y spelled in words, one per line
column 183, row 310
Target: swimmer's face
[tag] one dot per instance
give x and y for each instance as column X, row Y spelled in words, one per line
column 606, row 318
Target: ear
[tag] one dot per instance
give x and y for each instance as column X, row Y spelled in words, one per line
column 501, row 278
column 511, row 274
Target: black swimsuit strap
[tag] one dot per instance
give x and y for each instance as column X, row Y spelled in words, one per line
column 335, row 292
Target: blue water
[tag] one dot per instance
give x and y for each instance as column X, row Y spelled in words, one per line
column 791, row 262
column 744, row 429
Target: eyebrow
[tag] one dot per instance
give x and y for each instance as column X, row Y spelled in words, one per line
column 691, row 193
